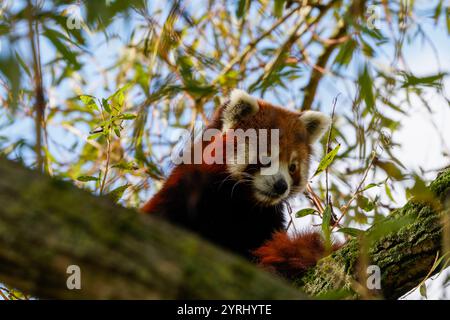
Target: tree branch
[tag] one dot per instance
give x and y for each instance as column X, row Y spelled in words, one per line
column 47, row 225
column 404, row 255
column 317, row 72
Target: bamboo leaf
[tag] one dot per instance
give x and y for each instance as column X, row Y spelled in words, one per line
column 327, row 160
column 87, row 178
column 305, row 212
column 127, row 116
column 365, row 203
column 242, row 7
column 117, row 193
column 366, row 85
column 411, row 80
column 326, row 229
column 423, row 290
column 23, row 64
column 351, row 231
column 89, row 101
column 278, row 7
column 56, row 39
column 106, row 106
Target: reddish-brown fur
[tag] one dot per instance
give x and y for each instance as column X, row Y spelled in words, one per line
column 203, row 198
column 290, row 256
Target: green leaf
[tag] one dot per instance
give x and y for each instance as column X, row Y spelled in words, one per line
column 56, row 38
column 366, row 84
column 429, row 81
column 23, row 64
column 117, row 132
column 386, row 227
column 117, row 193
column 126, row 166
column 127, row 116
column 119, row 99
column 326, row 230
column 367, row 49
column 345, row 53
column 437, row 12
column 95, row 135
column 423, row 290
column 106, row 11
column 420, row 191
column 351, row 231
column 242, row 7
column 278, row 7
column 89, row 101
column 87, row 178
column 120, row 91
column 448, row 20
column 388, row 192
column 365, row 203
column 370, row 186
column 390, row 168
column 305, row 212
column 106, row 105
column 10, row 68
column 327, row 160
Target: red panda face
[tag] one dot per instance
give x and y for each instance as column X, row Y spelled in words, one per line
column 280, row 169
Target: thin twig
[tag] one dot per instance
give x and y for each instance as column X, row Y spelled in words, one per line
column 108, row 152
column 38, row 87
column 321, row 62
column 315, row 199
column 328, row 149
column 3, row 295
column 10, row 294
column 291, row 221
column 253, row 44
column 344, row 209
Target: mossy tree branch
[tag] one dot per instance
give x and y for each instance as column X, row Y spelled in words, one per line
column 404, row 246
column 47, row 225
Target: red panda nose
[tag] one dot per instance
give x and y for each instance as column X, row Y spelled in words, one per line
column 280, row 186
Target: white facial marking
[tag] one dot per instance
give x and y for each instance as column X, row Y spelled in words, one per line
column 304, row 172
column 263, row 185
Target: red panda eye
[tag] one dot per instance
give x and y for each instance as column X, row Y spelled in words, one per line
column 292, row 168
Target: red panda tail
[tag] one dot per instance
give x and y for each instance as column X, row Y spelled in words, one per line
column 290, row 256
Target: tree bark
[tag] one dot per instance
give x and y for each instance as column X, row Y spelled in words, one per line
column 47, row 225
column 404, row 246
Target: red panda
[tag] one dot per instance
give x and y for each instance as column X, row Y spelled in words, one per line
column 234, row 204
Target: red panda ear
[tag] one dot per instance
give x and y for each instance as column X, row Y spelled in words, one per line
column 316, row 123
column 240, row 105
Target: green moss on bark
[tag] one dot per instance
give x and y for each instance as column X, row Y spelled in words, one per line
column 47, row 225
column 404, row 245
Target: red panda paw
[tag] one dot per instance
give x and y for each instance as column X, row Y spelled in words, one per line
column 290, row 256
